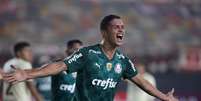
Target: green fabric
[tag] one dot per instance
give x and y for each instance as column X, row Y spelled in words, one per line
column 97, row 76
column 63, row 86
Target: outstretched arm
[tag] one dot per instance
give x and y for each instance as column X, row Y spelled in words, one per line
column 22, row 75
column 150, row 89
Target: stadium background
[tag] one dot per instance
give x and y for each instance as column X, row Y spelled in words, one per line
column 165, row 35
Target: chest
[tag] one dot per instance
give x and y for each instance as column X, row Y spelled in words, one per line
column 98, row 66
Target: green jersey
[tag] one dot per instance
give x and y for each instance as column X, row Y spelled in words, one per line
column 63, row 86
column 97, row 76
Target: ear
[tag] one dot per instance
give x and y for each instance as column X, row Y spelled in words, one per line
column 66, row 51
column 18, row 54
column 104, row 34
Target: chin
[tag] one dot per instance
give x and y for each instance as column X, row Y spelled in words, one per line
column 119, row 44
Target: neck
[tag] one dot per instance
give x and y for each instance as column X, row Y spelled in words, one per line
column 22, row 59
column 108, row 49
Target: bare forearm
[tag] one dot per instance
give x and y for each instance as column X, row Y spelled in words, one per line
column 34, row 91
column 50, row 69
column 149, row 88
column 153, row 91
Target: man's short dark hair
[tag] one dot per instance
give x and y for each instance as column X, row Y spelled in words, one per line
column 71, row 42
column 106, row 20
column 20, row 46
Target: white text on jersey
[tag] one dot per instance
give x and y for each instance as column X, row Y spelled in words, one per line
column 65, row 87
column 109, row 83
column 75, row 57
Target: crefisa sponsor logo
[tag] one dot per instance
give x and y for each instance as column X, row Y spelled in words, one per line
column 65, row 87
column 75, row 57
column 109, row 83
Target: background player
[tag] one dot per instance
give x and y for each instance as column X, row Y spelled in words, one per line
column 22, row 91
column 63, row 84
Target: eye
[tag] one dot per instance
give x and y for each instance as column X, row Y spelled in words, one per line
column 122, row 26
column 115, row 27
column 118, row 26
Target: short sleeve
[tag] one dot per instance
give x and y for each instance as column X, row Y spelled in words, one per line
column 76, row 61
column 6, row 67
column 25, row 65
column 130, row 70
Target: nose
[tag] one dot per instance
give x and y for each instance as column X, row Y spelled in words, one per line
column 121, row 30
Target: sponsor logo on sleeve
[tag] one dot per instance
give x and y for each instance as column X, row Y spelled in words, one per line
column 74, row 57
column 65, row 87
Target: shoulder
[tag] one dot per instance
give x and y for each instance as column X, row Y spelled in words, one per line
column 122, row 56
column 24, row 64
column 6, row 66
column 90, row 49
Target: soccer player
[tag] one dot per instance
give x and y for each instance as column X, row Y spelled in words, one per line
column 63, row 84
column 22, row 91
column 99, row 67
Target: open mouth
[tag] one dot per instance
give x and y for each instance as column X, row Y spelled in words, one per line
column 120, row 37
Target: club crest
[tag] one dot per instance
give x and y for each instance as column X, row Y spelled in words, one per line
column 118, row 68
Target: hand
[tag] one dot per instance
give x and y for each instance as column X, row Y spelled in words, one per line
column 1, row 73
column 17, row 76
column 40, row 98
column 171, row 96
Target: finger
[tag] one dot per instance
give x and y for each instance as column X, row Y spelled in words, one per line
column 6, row 75
column 15, row 82
column 172, row 91
column 9, row 79
column 1, row 71
column 170, row 94
column 12, row 80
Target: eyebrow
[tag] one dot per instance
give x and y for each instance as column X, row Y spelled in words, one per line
column 117, row 25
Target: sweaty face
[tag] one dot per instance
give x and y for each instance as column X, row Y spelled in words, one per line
column 26, row 54
column 115, row 32
column 74, row 48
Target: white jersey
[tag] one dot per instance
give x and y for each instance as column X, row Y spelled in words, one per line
column 134, row 93
column 19, row 91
